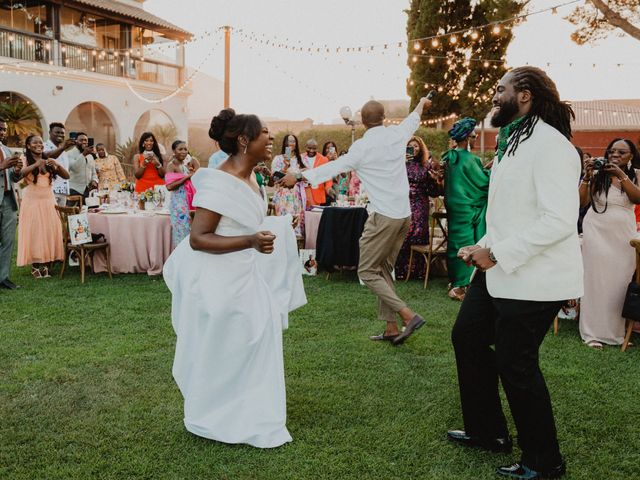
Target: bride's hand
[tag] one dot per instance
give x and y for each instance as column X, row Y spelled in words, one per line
column 263, row 242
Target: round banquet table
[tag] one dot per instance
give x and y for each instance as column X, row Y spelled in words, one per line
column 139, row 242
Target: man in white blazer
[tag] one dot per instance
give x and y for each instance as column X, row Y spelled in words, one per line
column 528, row 263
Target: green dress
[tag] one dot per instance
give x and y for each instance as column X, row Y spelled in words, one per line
column 466, row 189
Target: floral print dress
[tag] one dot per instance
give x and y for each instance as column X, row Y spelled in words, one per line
column 179, row 210
column 290, row 200
column 421, row 187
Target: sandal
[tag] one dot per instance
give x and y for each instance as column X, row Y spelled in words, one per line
column 44, row 272
column 35, row 272
column 595, row 345
column 383, row 337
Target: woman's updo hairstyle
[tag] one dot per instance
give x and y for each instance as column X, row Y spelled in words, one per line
column 226, row 127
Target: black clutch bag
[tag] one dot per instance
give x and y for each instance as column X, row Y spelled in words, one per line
column 631, row 309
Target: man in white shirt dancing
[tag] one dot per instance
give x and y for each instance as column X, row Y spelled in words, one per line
column 379, row 160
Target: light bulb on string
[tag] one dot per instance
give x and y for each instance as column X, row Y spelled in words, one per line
column 432, row 60
column 474, row 35
column 496, row 29
column 435, row 43
column 453, row 40
column 416, row 46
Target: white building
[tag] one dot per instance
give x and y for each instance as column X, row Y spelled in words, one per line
column 94, row 65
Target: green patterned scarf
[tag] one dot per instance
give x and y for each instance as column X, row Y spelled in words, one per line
column 504, row 134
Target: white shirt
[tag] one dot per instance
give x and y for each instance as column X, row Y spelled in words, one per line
column 379, row 160
column 82, row 170
column 59, row 185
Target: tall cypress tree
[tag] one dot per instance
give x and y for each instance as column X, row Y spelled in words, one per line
column 463, row 67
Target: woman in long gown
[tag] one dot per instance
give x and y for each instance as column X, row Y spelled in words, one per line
column 422, row 185
column 178, row 178
column 609, row 260
column 232, row 286
column 290, row 201
column 466, row 187
column 39, row 231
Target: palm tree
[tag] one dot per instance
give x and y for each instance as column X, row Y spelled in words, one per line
column 22, row 118
column 125, row 153
column 165, row 134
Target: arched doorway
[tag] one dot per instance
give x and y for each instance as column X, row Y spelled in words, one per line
column 160, row 124
column 23, row 117
column 96, row 121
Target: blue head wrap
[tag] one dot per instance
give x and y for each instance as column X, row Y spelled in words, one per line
column 462, row 129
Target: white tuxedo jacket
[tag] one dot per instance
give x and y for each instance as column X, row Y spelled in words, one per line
column 532, row 219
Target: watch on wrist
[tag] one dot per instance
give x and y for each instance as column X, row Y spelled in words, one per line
column 492, row 257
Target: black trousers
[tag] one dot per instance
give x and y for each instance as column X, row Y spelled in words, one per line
column 517, row 329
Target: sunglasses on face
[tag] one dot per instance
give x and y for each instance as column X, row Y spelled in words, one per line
column 612, row 151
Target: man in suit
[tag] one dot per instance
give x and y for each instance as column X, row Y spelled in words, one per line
column 528, row 263
column 10, row 165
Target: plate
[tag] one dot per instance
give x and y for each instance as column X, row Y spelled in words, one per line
column 114, row 211
column 162, row 212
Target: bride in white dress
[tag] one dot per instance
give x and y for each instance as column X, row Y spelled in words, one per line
column 233, row 285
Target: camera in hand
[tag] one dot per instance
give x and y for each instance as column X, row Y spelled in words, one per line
column 599, row 163
column 278, row 175
column 410, row 152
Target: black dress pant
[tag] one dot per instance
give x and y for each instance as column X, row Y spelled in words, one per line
column 517, row 329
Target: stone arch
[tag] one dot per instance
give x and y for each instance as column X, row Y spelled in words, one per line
column 160, row 123
column 39, row 126
column 96, row 121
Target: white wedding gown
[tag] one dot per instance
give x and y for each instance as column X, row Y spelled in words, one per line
column 228, row 312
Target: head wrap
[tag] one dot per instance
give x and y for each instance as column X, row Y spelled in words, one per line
column 462, row 129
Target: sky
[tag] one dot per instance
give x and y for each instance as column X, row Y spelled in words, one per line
column 274, row 82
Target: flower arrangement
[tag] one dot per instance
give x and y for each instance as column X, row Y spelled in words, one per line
column 146, row 196
column 127, row 186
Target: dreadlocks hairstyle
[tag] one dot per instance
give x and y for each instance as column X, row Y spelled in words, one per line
column 545, row 104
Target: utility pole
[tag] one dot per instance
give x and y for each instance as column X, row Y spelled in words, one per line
column 227, row 61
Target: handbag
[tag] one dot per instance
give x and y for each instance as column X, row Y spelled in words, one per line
column 631, row 308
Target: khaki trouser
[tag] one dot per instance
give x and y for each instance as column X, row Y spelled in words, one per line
column 380, row 244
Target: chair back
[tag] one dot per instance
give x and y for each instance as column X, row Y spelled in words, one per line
column 63, row 213
column 76, row 200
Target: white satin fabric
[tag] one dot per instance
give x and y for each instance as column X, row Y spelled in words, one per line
column 228, row 312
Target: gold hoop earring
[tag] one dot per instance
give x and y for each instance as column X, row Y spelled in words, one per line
column 245, row 148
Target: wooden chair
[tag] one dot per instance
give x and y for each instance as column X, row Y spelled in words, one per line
column 75, row 201
column 630, row 323
column 84, row 251
column 436, row 248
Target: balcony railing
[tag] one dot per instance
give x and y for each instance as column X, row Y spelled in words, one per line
column 33, row 48
column 37, row 48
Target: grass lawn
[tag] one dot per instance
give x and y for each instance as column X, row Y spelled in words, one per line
column 86, row 391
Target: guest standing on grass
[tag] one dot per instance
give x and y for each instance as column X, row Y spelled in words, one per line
column 528, row 264
column 290, row 200
column 312, row 159
column 178, row 178
column 609, row 260
column 56, row 149
column 82, row 167
column 379, row 160
column 466, row 186
column 108, row 168
column 233, row 284
column 10, row 166
column 149, row 169
column 422, row 185
column 39, row 230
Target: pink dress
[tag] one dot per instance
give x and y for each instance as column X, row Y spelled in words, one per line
column 39, row 229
